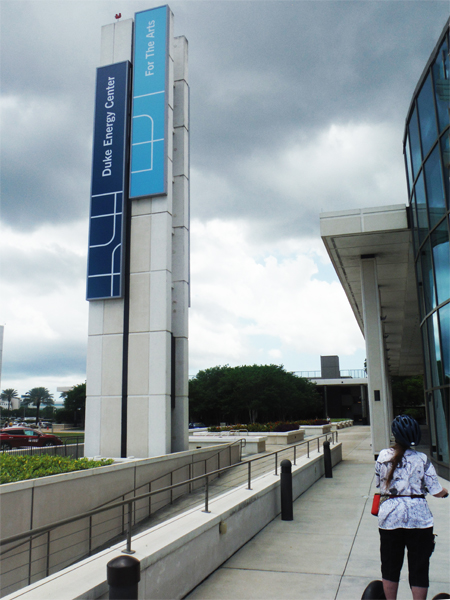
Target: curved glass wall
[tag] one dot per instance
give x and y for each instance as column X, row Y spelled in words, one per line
column 427, row 162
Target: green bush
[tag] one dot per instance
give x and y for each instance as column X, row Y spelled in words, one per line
column 18, row 468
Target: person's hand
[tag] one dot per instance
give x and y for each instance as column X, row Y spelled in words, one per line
column 442, row 494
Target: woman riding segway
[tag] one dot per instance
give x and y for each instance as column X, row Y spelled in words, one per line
column 404, row 477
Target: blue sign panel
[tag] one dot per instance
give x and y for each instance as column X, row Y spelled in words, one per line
column 148, row 170
column 106, row 227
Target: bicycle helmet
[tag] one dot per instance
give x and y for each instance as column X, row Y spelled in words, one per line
column 406, row 431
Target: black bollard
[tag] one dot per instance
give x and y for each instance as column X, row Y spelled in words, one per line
column 327, row 459
column 123, row 575
column 287, row 511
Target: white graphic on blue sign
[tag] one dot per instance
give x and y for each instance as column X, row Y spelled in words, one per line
column 106, row 227
column 149, row 113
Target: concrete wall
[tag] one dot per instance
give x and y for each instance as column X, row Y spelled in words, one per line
column 38, row 502
column 176, row 556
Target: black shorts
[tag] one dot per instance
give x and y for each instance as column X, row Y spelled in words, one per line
column 420, row 545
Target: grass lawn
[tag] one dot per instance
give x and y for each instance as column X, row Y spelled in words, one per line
column 64, row 435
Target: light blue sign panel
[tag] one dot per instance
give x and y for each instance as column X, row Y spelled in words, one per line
column 148, row 169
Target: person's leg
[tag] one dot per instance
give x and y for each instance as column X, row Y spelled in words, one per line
column 420, row 545
column 419, row 593
column 392, row 550
column 390, row 589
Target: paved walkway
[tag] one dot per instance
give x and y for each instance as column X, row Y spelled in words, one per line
column 330, row 551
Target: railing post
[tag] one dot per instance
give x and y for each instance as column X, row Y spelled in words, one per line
column 318, row 444
column 47, row 567
column 90, row 535
column 307, row 444
column 287, row 511
column 249, row 475
column 295, row 455
column 128, row 549
column 123, row 576
column 190, row 477
column 276, row 463
column 207, row 495
column 327, row 460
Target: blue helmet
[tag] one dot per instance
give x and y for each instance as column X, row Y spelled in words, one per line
column 406, row 431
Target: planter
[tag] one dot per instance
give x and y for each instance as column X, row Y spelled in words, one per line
column 341, row 425
column 316, row 429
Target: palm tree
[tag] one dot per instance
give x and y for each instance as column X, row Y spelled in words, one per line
column 9, row 394
column 38, row 396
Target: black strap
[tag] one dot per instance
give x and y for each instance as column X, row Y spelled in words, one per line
column 403, row 495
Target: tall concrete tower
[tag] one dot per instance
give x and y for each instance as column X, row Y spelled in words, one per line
column 138, row 263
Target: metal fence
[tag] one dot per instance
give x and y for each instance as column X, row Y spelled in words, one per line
column 72, row 446
column 42, row 551
column 343, row 374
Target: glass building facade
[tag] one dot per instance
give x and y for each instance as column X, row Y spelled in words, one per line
column 427, row 160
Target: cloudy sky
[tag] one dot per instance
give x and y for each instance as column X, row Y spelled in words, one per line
column 297, row 107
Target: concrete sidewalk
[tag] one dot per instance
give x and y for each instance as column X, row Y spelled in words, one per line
column 331, row 549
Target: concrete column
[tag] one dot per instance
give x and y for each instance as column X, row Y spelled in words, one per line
column 105, row 329
column 149, row 358
column 180, row 247
column 376, row 362
column 157, row 390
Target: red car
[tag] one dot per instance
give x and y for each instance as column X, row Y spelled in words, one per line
column 24, row 437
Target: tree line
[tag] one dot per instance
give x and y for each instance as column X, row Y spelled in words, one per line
column 43, row 402
column 251, row 393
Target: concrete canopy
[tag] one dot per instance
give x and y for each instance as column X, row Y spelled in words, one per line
column 380, row 232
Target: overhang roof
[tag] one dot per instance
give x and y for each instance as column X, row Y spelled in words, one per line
column 384, row 233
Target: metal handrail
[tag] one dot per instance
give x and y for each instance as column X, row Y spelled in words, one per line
column 33, row 533
column 149, row 483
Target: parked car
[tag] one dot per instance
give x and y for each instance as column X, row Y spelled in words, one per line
column 24, row 437
column 196, row 425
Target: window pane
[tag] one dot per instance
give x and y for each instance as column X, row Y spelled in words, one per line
column 422, row 216
column 445, row 148
column 428, row 280
column 444, row 317
column 432, row 423
column 421, row 290
column 415, row 143
column 441, row 415
column 426, row 355
column 435, row 350
column 441, row 83
column 441, row 257
column 415, row 226
column 427, row 116
column 435, row 187
column 408, row 166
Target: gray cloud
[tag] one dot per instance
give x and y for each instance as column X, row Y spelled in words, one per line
column 41, row 271
column 56, row 359
column 259, row 71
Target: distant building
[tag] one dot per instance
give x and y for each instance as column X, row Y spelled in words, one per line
column 394, row 265
column 344, row 393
